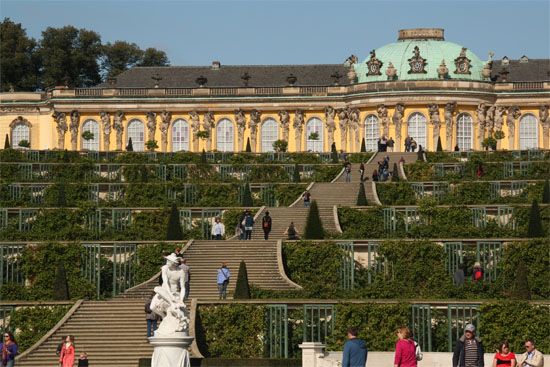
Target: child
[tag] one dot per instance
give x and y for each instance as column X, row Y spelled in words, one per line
column 83, row 360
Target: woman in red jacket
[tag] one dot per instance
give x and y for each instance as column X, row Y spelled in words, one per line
column 66, row 359
column 405, row 349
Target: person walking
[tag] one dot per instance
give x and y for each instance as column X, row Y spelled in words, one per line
column 241, row 225
column 307, row 199
column 150, row 317
column 405, row 349
column 218, row 229
column 187, row 273
column 375, row 175
column 468, row 350
column 347, row 170
column 66, row 359
column 355, row 350
column 532, row 357
column 224, row 274
column 9, row 350
column 414, row 145
column 248, row 225
column 503, row 356
column 362, row 171
column 390, row 144
column 266, row 225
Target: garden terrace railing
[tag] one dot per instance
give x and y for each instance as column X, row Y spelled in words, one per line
column 489, row 156
column 7, row 308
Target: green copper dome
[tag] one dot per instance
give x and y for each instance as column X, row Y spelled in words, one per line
column 431, row 50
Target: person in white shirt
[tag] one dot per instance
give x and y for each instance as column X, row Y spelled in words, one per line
column 218, row 229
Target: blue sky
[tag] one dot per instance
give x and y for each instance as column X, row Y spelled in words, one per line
column 292, row 32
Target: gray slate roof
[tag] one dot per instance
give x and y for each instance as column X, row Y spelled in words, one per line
column 535, row 70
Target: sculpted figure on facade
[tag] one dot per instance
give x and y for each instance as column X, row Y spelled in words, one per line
column 481, row 113
column 207, row 125
column 240, row 120
column 61, row 127
column 433, row 110
column 195, row 128
column 165, row 120
column 382, row 112
column 343, row 123
column 499, row 118
column 73, row 127
column 330, row 123
column 511, row 116
column 255, row 120
column 106, row 124
column 298, row 125
column 284, row 121
column 490, row 119
column 545, row 123
column 450, row 109
column 151, row 125
column 397, row 119
column 119, row 128
column 353, row 116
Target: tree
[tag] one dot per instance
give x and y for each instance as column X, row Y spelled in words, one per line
column 247, row 196
column 203, row 157
column 151, row 145
column 154, row 57
column 248, row 148
column 314, row 226
column 242, row 289
column 280, row 146
column 69, row 56
column 395, row 173
column 361, row 196
column 174, row 231
column 296, row 174
column 334, row 153
column 520, row 287
column 20, row 63
column 130, row 146
column 546, row 193
column 7, row 142
column 363, row 147
column 118, row 57
column 439, row 147
column 535, row 223
column 61, row 285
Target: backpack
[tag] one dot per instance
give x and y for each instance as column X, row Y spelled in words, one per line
column 265, row 223
column 148, row 307
column 478, row 275
column 418, row 352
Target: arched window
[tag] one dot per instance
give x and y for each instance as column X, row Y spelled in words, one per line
column 180, row 135
column 464, row 131
column 136, row 131
column 270, row 133
column 528, row 132
column 93, row 127
column 314, row 126
column 417, row 129
column 20, row 131
column 225, row 136
column 372, row 133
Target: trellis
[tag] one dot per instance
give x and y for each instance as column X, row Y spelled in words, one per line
column 525, row 168
column 508, row 169
column 479, row 217
column 505, row 217
column 10, row 264
column 318, row 322
column 347, row 266
column 495, row 190
column 277, row 331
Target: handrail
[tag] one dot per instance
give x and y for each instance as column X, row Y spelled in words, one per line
column 375, row 193
column 336, row 219
column 195, row 351
column 281, row 266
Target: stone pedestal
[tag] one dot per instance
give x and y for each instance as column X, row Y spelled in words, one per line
column 172, row 351
column 311, row 354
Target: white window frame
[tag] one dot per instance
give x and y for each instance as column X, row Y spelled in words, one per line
column 136, row 131
column 464, row 132
column 372, row 133
column 528, row 132
column 20, row 132
column 92, row 126
column 314, row 124
column 225, row 136
column 417, row 128
column 180, row 135
column 269, row 134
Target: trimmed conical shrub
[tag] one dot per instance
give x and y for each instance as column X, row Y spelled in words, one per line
column 248, row 148
column 61, row 285
column 314, row 226
column 395, row 173
column 535, row 222
column 439, row 147
column 296, row 174
column 174, row 231
column 546, row 193
column 333, row 153
column 130, row 146
column 247, row 196
column 203, row 157
column 242, row 289
column 61, row 196
column 361, row 196
column 7, row 142
column 363, row 147
column 520, row 287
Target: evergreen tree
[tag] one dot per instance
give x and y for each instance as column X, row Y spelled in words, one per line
column 7, row 142
column 61, row 285
column 130, row 146
column 546, row 193
column 439, row 147
column 296, row 174
column 203, row 157
column 314, row 226
column 363, row 147
column 520, row 287
column 334, row 153
column 174, row 232
column 361, row 196
column 247, row 196
column 248, row 148
column 535, row 223
column 61, row 196
column 242, row 289
column 395, row 173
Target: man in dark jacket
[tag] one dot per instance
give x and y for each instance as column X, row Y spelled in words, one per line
column 355, row 350
column 266, row 225
column 468, row 350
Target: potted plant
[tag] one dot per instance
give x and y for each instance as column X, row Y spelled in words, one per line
column 280, row 146
column 88, row 135
column 151, row 145
column 489, row 142
column 498, row 135
column 24, row 144
column 202, row 134
column 314, row 136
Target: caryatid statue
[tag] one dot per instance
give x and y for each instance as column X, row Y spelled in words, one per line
column 240, row 120
column 195, row 128
column 106, row 124
column 73, row 127
column 151, row 125
column 511, row 116
column 481, row 113
column 545, row 123
column 165, row 120
column 353, row 122
column 343, row 124
column 397, row 120
column 490, row 119
column 298, row 125
column 499, row 118
column 119, row 128
column 284, row 121
column 330, row 124
column 255, row 120
column 207, row 125
column 433, row 110
column 61, row 127
column 382, row 112
column 450, row 109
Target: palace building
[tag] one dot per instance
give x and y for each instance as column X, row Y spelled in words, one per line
column 421, row 86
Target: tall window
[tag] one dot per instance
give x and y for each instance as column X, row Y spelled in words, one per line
column 528, row 132
column 417, row 129
column 225, row 136
column 136, row 131
column 314, row 127
column 372, row 133
column 180, row 135
column 270, row 133
column 20, row 132
column 464, row 131
column 93, row 127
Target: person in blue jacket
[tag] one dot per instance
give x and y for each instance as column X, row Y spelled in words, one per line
column 355, row 350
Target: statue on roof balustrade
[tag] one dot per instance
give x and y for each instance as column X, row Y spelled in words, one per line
column 61, row 127
column 511, row 116
column 298, row 125
column 255, row 120
column 397, row 120
column 165, row 120
column 284, row 121
column 330, row 113
column 240, row 120
column 208, row 124
column 119, row 128
column 343, row 119
column 73, row 127
column 450, row 109
column 151, row 125
column 106, row 124
column 545, row 123
column 195, row 128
